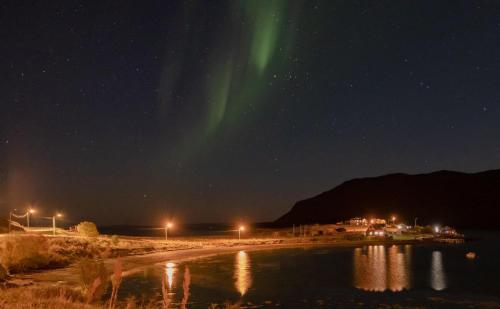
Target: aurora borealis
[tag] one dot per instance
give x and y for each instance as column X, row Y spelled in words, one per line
column 233, row 74
column 209, row 111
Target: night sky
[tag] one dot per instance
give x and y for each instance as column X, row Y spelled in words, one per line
column 208, row 111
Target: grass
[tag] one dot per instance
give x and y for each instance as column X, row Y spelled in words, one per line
column 43, row 297
column 21, row 253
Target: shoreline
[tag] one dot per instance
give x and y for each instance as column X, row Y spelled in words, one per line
column 69, row 275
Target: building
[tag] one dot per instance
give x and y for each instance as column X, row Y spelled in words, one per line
column 448, row 231
column 377, row 221
column 358, row 221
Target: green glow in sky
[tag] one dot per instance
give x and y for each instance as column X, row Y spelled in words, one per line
column 218, row 93
column 229, row 86
column 266, row 17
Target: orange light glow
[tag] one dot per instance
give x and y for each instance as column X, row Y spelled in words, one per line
column 242, row 273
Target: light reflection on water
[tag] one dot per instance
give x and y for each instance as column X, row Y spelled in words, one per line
column 170, row 271
column 374, row 269
column 242, row 273
column 377, row 268
column 438, row 279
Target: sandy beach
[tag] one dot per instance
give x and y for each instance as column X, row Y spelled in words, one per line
column 68, row 276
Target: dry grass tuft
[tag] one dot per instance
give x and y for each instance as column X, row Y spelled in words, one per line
column 93, row 278
column 116, row 280
column 185, row 287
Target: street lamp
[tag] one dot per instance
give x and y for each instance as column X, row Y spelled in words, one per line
column 393, row 219
column 54, row 223
column 168, row 225
column 28, row 213
column 240, row 229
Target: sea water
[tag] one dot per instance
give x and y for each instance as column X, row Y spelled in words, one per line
column 429, row 275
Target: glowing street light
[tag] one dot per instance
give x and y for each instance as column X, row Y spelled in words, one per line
column 58, row 215
column 28, row 213
column 168, row 225
column 240, row 229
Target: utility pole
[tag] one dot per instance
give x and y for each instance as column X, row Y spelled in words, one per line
column 10, row 219
column 54, row 223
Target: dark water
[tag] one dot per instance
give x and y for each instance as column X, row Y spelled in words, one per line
column 433, row 276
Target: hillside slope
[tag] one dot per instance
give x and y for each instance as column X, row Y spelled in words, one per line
column 445, row 197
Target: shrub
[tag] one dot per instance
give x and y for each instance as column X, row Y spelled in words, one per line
column 3, row 274
column 87, row 229
column 24, row 252
column 115, row 240
column 93, row 278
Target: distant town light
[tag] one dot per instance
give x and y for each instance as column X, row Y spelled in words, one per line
column 169, row 225
column 393, row 218
column 32, row 211
column 242, row 228
column 59, row 215
column 436, row 229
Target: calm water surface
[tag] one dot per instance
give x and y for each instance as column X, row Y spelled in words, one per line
column 409, row 275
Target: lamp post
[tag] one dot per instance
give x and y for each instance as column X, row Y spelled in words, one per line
column 240, row 229
column 54, row 223
column 168, row 225
column 28, row 213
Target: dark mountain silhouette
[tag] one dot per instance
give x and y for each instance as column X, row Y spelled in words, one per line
column 444, row 197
